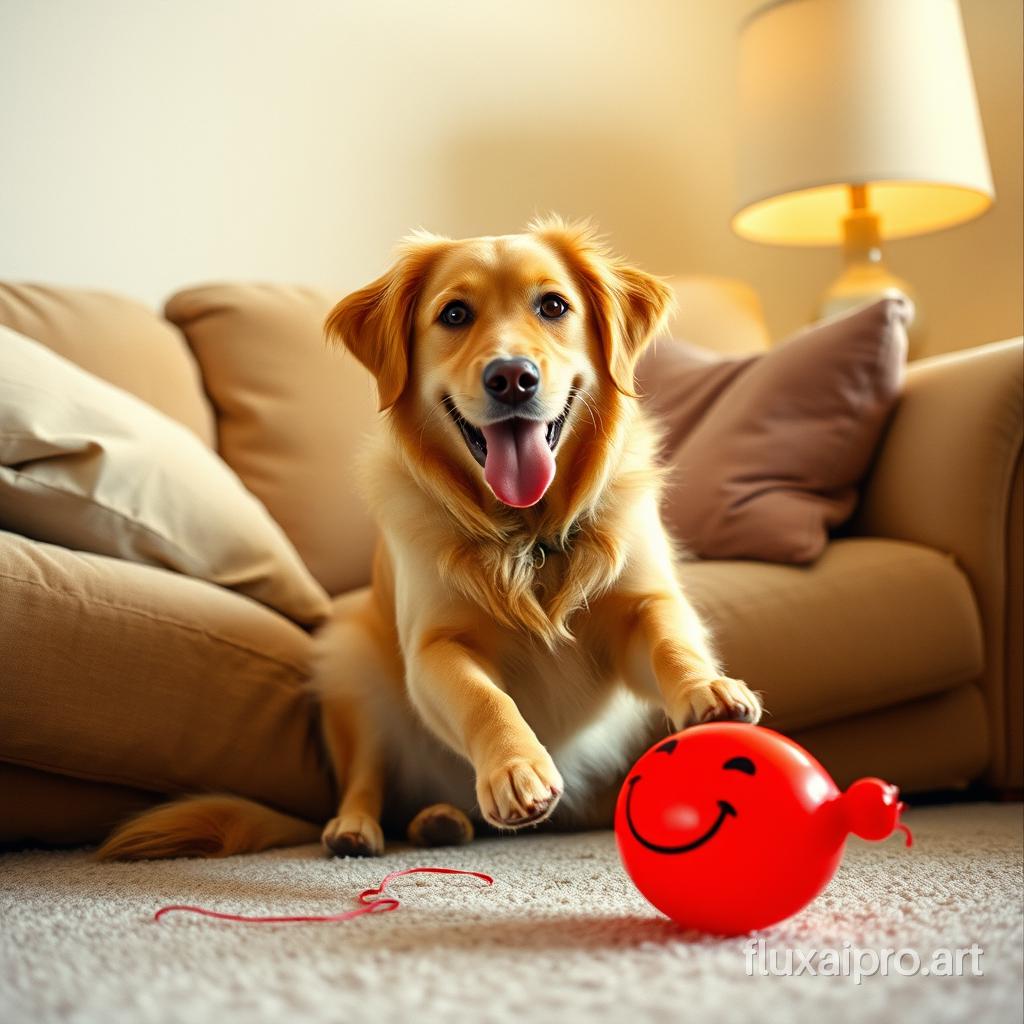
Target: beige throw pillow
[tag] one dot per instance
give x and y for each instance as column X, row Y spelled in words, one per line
column 119, row 340
column 85, row 465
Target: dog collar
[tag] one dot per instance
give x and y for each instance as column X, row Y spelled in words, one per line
column 543, row 548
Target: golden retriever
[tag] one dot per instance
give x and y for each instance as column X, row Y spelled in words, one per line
column 526, row 614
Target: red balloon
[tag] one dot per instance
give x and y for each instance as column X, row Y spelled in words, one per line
column 729, row 827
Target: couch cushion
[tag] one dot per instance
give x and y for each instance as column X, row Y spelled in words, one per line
column 767, row 451
column 291, row 414
column 58, row 810
column 720, row 314
column 936, row 742
column 87, row 465
column 117, row 339
column 872, row 623
column 158, row 682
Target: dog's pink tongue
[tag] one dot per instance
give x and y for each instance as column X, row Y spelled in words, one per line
column 519, row 467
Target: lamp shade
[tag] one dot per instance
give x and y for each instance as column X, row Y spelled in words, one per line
column 834, row 93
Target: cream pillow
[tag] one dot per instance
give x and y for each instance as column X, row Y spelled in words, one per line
column 85, row 465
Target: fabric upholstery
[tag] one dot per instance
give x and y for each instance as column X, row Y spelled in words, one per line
column 161, row 684
column 43, row 808
column 290, row 415
column 937, row 742
column 949, row 476
column 157, row 682
column 766, row 452
column 223, row 676
column 871, row 623
column 1011, row 773
column 87, row 465
column 117, row 339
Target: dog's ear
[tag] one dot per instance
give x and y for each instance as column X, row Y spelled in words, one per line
column 376, row 323
column 630, row 306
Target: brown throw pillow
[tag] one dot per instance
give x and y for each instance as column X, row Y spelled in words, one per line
column 765, row 453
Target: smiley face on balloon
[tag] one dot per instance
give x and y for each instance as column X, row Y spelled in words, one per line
column 729, row 827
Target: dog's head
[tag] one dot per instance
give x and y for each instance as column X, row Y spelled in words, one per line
column 493, row 346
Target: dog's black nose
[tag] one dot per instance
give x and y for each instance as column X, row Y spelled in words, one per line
column 511, row 381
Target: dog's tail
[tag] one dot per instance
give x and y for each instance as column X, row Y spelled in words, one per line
column 205, row 826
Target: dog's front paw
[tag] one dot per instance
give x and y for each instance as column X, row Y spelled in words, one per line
column 521, row 791
column 353, row 835
column 716, row 700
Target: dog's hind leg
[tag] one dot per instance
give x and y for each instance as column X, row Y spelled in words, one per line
column 440, row 825
column 351, row 672
column 355, row 831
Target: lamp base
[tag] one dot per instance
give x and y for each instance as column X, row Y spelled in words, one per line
column 865, row 277
column 860, row 283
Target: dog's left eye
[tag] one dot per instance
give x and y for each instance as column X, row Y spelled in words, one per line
column 455, row 314
column 552, row 306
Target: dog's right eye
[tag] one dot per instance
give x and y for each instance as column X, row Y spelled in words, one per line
column 455, row 314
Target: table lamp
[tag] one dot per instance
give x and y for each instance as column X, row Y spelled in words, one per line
column 858, row 121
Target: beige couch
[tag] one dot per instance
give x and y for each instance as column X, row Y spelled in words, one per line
column 897, row 654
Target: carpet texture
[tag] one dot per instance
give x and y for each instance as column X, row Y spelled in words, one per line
column 561, row 936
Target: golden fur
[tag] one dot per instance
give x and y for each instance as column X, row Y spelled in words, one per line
column 505, row 661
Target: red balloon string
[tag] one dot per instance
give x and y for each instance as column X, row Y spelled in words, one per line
column 906, row 831
column 383, row 905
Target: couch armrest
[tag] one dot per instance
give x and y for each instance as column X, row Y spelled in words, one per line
column 949, row 475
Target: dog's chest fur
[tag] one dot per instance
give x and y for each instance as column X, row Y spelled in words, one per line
column 534, row 624
column 592, row 726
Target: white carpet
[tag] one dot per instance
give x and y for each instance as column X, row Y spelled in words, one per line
column 562, row 937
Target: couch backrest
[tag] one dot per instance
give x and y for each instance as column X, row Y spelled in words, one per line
column 246, row 367
column 117, row 339
column 718, row 313
column 291, row 415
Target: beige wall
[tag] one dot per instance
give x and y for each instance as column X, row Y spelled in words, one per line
column 148, row 145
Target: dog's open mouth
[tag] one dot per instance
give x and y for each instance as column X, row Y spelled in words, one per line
column 517, row 454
